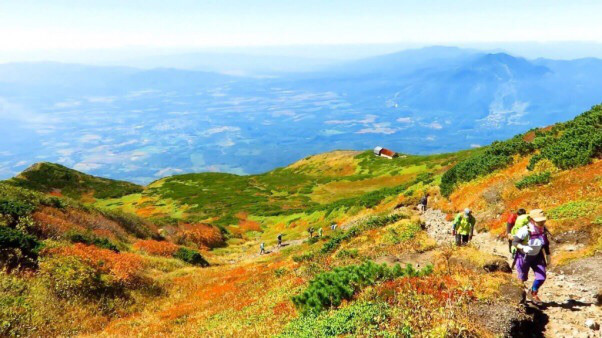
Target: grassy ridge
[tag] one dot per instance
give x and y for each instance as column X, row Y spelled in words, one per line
column 49, row 177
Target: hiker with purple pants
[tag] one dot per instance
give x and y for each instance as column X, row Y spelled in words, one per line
column 531, row 242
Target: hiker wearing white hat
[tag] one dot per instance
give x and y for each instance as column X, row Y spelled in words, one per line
column 532, row 242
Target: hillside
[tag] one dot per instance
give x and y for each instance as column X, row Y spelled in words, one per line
column 324, row 185
column 60, row 180
column 136, row 263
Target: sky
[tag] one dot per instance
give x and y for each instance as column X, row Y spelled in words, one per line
column 29, row 25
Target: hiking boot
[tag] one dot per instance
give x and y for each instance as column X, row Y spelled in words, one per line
column 535, row 298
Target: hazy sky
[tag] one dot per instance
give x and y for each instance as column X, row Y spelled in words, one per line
column 57, row 24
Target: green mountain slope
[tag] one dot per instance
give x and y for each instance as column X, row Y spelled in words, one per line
column 324, row 182
column 50, row 177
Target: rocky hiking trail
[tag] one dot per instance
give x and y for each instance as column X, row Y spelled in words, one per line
column 570, row 294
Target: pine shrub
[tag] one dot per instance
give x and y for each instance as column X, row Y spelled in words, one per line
column 533, row 180
column 329, row 289
column 17, row 249
column 191, row 256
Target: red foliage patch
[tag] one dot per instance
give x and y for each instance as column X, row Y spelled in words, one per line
column 159, row 248
column 205, row 236
column 54, row 222
column 284, row 308
column 441, row 288
column 124, row 267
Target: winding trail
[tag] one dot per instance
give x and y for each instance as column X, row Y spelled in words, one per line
column 568, row 294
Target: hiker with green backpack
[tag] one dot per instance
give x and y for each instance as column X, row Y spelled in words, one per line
column 463, row 227
column 515, row 222
column 533, row 252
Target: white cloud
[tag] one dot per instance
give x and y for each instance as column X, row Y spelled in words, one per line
column 226, row 142
column 405, row 120
column 67, row 104
column 434, row 125
column 222, row 129
column 378, row 128
column 474, row 145
column 168, row 172
column 85, row 166
column 101, row 99
column 89, row 138
column 367, row 120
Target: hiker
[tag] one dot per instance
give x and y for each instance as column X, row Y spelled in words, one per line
column 279, row 237
column 333, row 227
column 311, row 232
column 319, row 232
column 423, row 202
column 522, row 219
column 533, row 252
column 262, row 248
column 463, row 227
column 509, row 225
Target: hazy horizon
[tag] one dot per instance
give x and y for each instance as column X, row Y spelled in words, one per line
column 113, row 32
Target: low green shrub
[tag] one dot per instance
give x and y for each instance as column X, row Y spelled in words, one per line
column 406, row 233
column 304, row 257
column 91, row 239
column 17, row 249
column 362, row 319
column 14, row 306
column 574, row 209
column 351, row 253
column 329, row 289
column 533, row 180
column 191, row 256
column 14, row 211
column 312, row 240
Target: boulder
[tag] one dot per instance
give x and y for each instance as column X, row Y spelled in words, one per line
column 497, row 264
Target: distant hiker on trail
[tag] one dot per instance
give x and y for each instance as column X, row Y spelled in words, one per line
column 423, row 202
column 319, row 232
column 311, row 232
column 333, row 227
column 262, row 248
column 531, row 242
column 463, row 227
column 510, row 224
column 279, row 240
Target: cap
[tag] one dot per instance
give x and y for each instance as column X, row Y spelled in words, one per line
column 467, row 211
column 537, row 215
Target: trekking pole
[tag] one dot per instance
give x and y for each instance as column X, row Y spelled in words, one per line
column 513, row 261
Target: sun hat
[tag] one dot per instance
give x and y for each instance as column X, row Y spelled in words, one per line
column 537, row 215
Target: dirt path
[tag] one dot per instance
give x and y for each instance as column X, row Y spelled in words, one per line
column 568, row 294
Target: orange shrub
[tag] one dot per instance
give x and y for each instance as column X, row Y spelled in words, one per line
column 203, row 235
column 124, row 267
column 159, row 248
column 248, row 225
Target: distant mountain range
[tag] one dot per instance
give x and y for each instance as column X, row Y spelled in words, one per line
column 139, row 125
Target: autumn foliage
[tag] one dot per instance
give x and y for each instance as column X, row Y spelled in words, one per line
column 159, row 248
column 204, row 236
column 124, row 267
